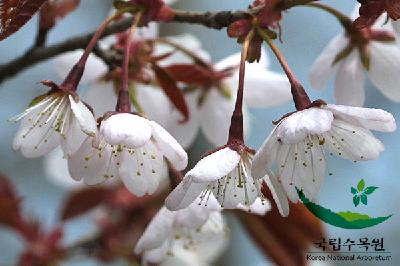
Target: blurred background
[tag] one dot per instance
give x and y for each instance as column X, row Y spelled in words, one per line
column 306, row 31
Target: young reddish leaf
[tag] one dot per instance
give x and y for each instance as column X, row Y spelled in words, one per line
column 15, row 13
column 54, row 10
column 168, row 84
column 81, row 201
column 9, row 203
column 189, row 73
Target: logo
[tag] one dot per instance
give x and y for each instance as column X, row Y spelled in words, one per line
column 346, row 219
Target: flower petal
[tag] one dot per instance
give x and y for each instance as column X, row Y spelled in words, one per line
column 92, row 164
column 184, row 194
column 74, row 139
column 278, row 194
column 349, row 81
column 259, row 207
column 385, row 68
column 185, row 133
column 352, row 142
column 214, row 166
column 322, row 68
column 102, row 97
column 169, row 147
column 374, row 119
column 157, row 231
column 56, row 170
column 265, row 156
column 126, row 129
column 216, row 115
column 84, row 117
column 141, row 169
column 266, row 89
column 296, row 127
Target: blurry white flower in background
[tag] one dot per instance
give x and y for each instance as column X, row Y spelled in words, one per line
column 211, row 110
column 196, row 235
column 380, row 61
column 296, row 146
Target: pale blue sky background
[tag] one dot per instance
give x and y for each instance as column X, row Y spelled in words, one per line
column 305, row 33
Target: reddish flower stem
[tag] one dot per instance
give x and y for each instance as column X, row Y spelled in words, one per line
column 236, row 128
column 124, row 102
column 300, row 97
column 74, row 76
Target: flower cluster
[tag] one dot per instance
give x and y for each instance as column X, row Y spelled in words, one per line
column 147, row 104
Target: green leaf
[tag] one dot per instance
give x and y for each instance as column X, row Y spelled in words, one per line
column 353, row 190
column 364, row 199
column 361, row 185
column 356, row 200
column 369, row 190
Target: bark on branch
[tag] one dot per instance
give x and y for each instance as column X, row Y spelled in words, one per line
column 38, row 53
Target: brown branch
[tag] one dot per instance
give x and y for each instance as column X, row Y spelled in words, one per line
column 215, row 20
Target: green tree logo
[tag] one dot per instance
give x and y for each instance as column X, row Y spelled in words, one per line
column 361, row 193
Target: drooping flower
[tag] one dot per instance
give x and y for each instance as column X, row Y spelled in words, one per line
column 225, row 174
column 371, row 51
column 298, row 145
column 130, row 147
column 55, row 118
column 194, row 236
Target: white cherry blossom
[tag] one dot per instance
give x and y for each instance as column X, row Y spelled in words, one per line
column 193, row 236
column 130, row 147
column 53, row 119
column 298, row 145
column 384, row 66
column 224, row 174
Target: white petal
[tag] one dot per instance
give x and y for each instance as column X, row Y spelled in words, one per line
column 74, row 139
column 185, row 133
column 147, row 95
column 322, row 68
column 214, row 166
column 92, row 164
column 298, row 126
column 259, row 207
column 374, row 119
column 194, row 216
column 234, row 60
column 187, row 40
column 385, row 68
column 349, row 81
column 102, row 97
column 184, row 194
column 278, row 194
column 266, row 89
column 352, row 142
column 56, row 170
column 141, row 169
column 302, row 166
column 265, row 156
column 43, row 127
column 216, row 115
column 126, row 129
column 396, row 27
column 158, row 255
column 237, row 187
column 169, row 147
column 157, row 231
column 84, row 117
column 95, row 67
